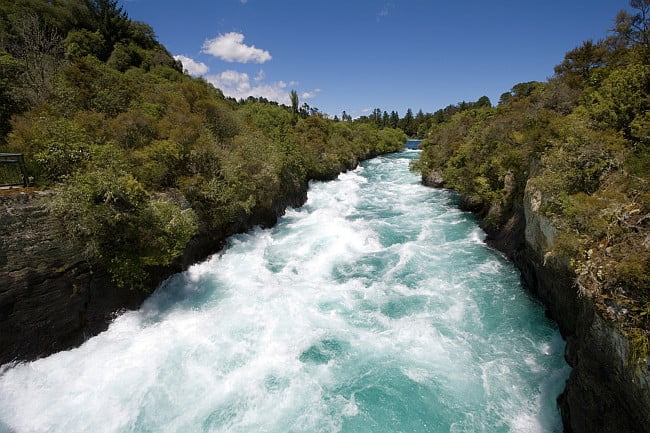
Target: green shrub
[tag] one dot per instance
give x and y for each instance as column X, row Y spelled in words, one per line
column 623, row 96
column 55, row 147
column 83, row 42
column 114, row 221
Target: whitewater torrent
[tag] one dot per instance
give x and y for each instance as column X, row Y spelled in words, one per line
column 376, row 307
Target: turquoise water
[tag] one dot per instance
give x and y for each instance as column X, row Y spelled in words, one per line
column 413, row 144
column 376, row 307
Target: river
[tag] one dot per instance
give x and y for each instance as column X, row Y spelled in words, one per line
column 376, row 307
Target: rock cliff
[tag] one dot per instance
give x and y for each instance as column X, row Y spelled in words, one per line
column 604, row 393
column 50, row 298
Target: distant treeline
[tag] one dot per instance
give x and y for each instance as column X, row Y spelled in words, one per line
column 415, row 126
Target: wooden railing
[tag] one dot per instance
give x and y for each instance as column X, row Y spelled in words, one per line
column 12, row 170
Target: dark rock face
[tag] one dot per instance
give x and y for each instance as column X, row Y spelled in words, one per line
column 50, row 298
column 604, row 393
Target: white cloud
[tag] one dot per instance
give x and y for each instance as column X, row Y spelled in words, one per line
column 231, row 80
column 191, row 66
column 310, row 95
column 238, row 85
column 260, row 76
column 231, row 48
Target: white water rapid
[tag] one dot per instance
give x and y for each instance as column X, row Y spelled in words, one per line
column 376, row 307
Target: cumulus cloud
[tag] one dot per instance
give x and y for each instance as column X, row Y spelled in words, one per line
column 231, row 48
column 192, row 67
column 238, row 85
column 311, row 94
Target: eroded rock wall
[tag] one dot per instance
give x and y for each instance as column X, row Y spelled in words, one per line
column 604, row 393
column 50, row 298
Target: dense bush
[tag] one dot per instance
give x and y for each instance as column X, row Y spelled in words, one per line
column 117, row 222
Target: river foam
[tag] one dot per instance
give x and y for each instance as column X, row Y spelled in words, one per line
column 376, row 307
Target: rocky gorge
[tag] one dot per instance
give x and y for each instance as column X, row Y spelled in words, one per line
column 53, row 299
column 606, row 391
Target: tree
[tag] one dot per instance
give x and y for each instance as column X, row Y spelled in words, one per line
column 111, row 21
column 40, row 50
column 376, row 116
column 505, row 98
column 218, row 118
column 635, row 28
column 394, row 120
column 422, row 130
column 622, row 97
column 578, row 63
column 407, row 123
column 111, row 218
column 11, row 100
column 82, row 42
column 123, row 57
column 483, row 102
column 524, row 89
column 419, row 121
column 142, row 34
column 294, row 102
column 305, row 110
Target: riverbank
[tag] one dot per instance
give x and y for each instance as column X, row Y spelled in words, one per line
column 606, row 391
column 53, row 299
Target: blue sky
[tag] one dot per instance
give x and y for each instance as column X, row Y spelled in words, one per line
column 356, row 55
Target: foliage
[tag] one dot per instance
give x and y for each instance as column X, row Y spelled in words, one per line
column 11, row 99
column 580, row 139
column 294, row 102
column 39, row 50
column 82, row 42
column 621, row 97
column 118, row 223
